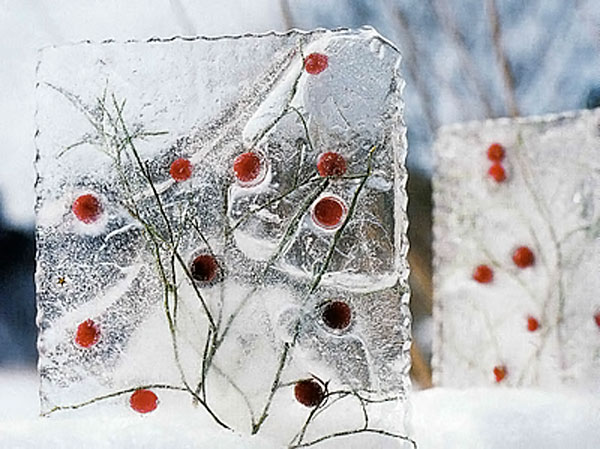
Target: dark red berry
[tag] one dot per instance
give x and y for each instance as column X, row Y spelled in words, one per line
column 247, row 167
column 331, row 164
column 329, row 212
column 337, row 315
column 495, row 152
column 204, row 268
column 143, row 401
column 483, row 274
column 497, row 172
column 597, row 319
column 532, row 324
column 87, row 208
column 500, row 373
column 181, row 169
column 309, row 392
column 315, row 63
column 87, row 334
column 523, row 257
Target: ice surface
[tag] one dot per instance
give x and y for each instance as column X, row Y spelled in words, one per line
column 532, row 318
column 192, row 242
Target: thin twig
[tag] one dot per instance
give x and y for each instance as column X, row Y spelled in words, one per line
column 507, row 73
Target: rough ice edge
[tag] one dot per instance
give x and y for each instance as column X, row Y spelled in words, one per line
column 469, row 127
column 399, row 146
column 368, row 30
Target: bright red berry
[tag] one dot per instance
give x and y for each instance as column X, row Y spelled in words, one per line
column 495, row 152
column 597, row 319
column 532, row 324
column 181, row 169
column 204, row 268
column 331, row 164
column 497, row 172
column 87, row 334
column 500, row 373
column 315, row 63
column 87, row 208
column 247, row 167
column 329, row 212
column 523, row 257
column 143, row 401
column 483, row 274
column 337, row 315
column 309, row 392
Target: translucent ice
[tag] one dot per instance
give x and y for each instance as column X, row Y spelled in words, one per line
column 517, row 221
column 221, row 228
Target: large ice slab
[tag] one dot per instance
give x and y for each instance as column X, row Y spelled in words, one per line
column 221, row 228
column 517, row 252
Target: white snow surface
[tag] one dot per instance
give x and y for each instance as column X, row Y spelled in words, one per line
column 481, row 418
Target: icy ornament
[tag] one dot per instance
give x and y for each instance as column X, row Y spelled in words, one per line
column 517, row 251
column 221, row 231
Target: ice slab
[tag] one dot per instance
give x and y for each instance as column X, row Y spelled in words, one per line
column 517, row 251
column 221, row 228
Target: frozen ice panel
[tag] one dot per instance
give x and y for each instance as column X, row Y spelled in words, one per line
column 517, row 253
column 221, row 231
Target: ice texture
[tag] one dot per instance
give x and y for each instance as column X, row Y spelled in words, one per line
column 517, row 252
column 221, row 229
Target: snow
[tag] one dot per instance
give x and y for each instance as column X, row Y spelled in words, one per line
column 493, row 418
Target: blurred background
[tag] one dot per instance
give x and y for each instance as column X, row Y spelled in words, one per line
column 463, row 60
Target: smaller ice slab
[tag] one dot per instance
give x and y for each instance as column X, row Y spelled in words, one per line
column 517, row 252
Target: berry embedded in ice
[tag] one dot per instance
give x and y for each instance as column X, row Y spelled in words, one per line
column 337, row 315
column 181, row 170
column 497, row 172
column 483, row 274
column 204, row 268
column 309, row 392
column 331, row 164
column 532, row 324
column 143, row 401
column 247, row 168
column 523, row 257
column 500, row 373
column 495, row 152
column 87, row 334
column 87, row 208
column 597, row 319
column 315, row 63
column 329, row 212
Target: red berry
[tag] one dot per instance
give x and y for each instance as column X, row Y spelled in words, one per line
column 500, row 373
column 315, row 63
column 143, row 401
column 523, row 257
column 87, row 334
column 87, row 208
column 337, row 314
column 204, row 268
column 497, row 172
column 532, row 324
column 495, row 152
column 329, row 212
column 247, row 167
column 309, row 392
column 331, row 164
column 597, row 319
column 483, row 274
column 181, row 169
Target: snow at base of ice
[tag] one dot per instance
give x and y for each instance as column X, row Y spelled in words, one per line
column 493, row 418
